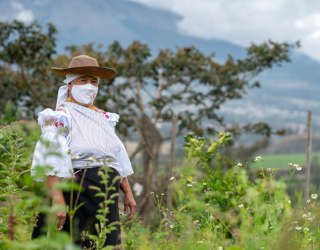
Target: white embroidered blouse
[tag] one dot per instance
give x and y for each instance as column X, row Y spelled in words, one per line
column 79, row 137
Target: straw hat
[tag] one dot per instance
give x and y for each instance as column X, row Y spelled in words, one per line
column 84, row 64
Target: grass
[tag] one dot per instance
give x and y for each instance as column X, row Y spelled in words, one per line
column 282, row 160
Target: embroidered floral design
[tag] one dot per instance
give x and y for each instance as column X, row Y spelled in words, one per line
column 55, row 123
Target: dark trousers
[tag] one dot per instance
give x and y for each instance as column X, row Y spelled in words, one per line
column 84, row 219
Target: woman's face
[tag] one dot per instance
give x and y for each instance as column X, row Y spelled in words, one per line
column 85, row 79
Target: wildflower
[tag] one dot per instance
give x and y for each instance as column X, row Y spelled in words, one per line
column 172, row 178
column 308, row 201
column 220, row 248
column 171, row 226
column 258, row 158
column 298, row 228
column 304, row 216
column 239, row 164
column 314, row 196
column 310, row 218
column 189, row 185
column 298, row 167
column 162, row 194
column 240, row 206
column 92, row 159
column 204, row 184
column 289, row 201
column 306, row 229
column 290, row 164
column 189, row 178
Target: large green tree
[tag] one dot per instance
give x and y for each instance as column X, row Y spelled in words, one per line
column 26, row 52
column 151, row 89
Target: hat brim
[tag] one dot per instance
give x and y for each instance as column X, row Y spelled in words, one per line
column 102, row 72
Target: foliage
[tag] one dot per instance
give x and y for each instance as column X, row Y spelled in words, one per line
column 101, row 238
column 215, row 209
column 25, row 56
column 212, row 207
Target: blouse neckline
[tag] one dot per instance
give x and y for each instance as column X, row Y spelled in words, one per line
column 98, row 112
column 84, row 107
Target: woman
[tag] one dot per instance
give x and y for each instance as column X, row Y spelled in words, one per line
column 85, row 138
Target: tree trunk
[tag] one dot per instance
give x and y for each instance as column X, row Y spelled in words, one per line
column 172, row 154
column 308, row 151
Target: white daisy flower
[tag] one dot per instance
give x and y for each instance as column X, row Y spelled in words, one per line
column 314, row 196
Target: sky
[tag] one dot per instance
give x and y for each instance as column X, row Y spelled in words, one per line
column 240, row 21
column 244, row 21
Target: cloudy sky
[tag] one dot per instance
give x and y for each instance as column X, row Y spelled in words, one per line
column 244, row 21
column 239, row 22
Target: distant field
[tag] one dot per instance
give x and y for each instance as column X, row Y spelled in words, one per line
column 282, row 160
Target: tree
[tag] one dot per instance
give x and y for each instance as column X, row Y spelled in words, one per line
column 26, row 53
column 149, row 90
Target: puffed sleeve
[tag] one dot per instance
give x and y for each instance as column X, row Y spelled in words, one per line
column 123, row 157
column 125, row 162
column 52, row 148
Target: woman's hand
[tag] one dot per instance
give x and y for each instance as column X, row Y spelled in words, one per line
column 61, row 215
column 129, row 202
column 57, row 199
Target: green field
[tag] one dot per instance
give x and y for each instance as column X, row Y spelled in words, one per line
column 282, row 160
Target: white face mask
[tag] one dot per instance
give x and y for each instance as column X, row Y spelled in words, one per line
column 85, row 93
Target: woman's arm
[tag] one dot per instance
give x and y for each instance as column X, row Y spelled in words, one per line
column 57, row 199
column 128, row 197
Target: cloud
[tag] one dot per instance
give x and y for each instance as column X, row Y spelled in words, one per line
column 246, row 21
column 21, row 13
column 254, row 112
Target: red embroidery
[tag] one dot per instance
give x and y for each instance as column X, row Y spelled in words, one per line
column 105, row 114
